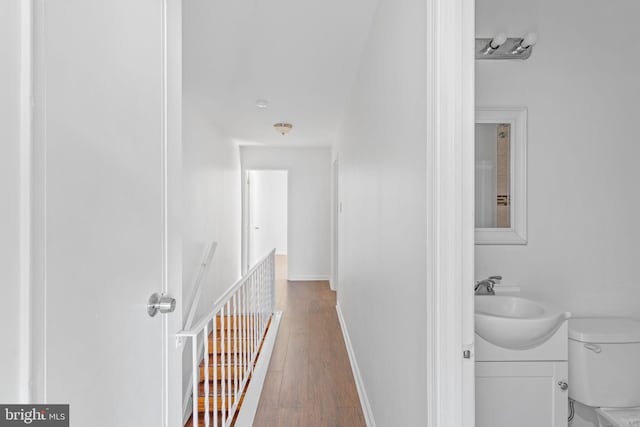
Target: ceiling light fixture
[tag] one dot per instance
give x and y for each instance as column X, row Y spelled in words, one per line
column 283, row 128
column 262, row 104
column 503, row 47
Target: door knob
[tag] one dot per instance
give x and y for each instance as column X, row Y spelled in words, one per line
column 563, row 385
column 159, row 303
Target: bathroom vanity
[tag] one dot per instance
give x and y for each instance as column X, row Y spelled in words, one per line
column 521, row 374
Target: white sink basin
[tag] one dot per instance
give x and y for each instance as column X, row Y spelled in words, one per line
column 516, row 322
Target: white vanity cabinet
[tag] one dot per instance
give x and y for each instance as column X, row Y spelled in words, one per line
column 523, row 394
column 523, row 388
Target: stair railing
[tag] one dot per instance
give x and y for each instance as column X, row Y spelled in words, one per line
column 231, row 335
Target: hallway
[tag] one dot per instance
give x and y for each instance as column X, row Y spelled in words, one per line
column 309, row 382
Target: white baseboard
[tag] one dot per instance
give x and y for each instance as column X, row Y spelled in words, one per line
column 362, row 394
column 307, row 277
column 252, row 396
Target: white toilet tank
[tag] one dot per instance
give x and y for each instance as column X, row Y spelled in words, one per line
column 604, row 362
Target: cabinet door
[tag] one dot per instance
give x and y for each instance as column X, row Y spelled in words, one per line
column 523, row 394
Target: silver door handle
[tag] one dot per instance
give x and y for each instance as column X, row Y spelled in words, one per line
column 563, row 385
column 160, row 303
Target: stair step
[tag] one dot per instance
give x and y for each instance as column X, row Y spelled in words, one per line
column 228, row 402
column 230, row 345
column 201, row 420
column 213, row 386
column 243, row 322
column 219, row 373
column 228, row 358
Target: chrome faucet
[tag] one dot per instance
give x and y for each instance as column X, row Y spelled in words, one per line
column 488, row 285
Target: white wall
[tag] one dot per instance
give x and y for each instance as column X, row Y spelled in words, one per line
column 581, row 89
column 211, row 168
column 583, row 151
column 309, row 211
column 10, row 193
column 211, row 179
column 383, row 235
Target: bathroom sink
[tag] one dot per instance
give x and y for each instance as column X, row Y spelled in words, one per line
column 515, row 322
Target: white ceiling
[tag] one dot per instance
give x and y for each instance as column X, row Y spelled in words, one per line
column 300, row 55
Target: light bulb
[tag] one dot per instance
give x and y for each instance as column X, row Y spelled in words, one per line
column 529, row 40
column 498, row 40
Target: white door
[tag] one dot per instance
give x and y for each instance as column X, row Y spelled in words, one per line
column 110, row 173
column 267, row 213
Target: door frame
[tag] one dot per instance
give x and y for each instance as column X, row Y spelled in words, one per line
column 335, row 229
column 171, row 33
column 246, row 216
column 450, row 193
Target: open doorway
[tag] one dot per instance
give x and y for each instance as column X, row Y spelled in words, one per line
column 267, row 204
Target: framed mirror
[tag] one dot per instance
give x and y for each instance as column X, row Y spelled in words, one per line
column 501, row 176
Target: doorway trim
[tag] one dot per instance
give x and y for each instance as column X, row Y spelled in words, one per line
column 246, row 216
column 450, row 193
column 335, row 226
column 26, row 194
column 171, row 158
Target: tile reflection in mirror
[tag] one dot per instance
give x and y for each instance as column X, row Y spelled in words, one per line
column 493, row 175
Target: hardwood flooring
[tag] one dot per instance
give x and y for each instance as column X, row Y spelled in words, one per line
column 309, row 382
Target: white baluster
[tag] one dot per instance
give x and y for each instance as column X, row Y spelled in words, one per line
column 229, row 361
column 254, row 348
column 223, row 364
column 263, row 299
column 242, row 360
column 194, row 357
column 235, row 338
column 260, row 303
column 215, row 371
column 272, row 278
column 206, row 375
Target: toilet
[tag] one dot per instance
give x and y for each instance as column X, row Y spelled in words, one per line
column 604, row 368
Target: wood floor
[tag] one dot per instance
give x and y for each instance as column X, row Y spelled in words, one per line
column 309, row 382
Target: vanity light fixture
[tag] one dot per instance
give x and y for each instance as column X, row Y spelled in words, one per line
column 283, row 128
column 529, row 40
column 503, row 47
column 494, row 44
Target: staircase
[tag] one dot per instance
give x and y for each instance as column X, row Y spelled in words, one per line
column 224, row 346
column 226, row 363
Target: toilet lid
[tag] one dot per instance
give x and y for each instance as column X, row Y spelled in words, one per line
column 604, row 330
column 621, row 417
